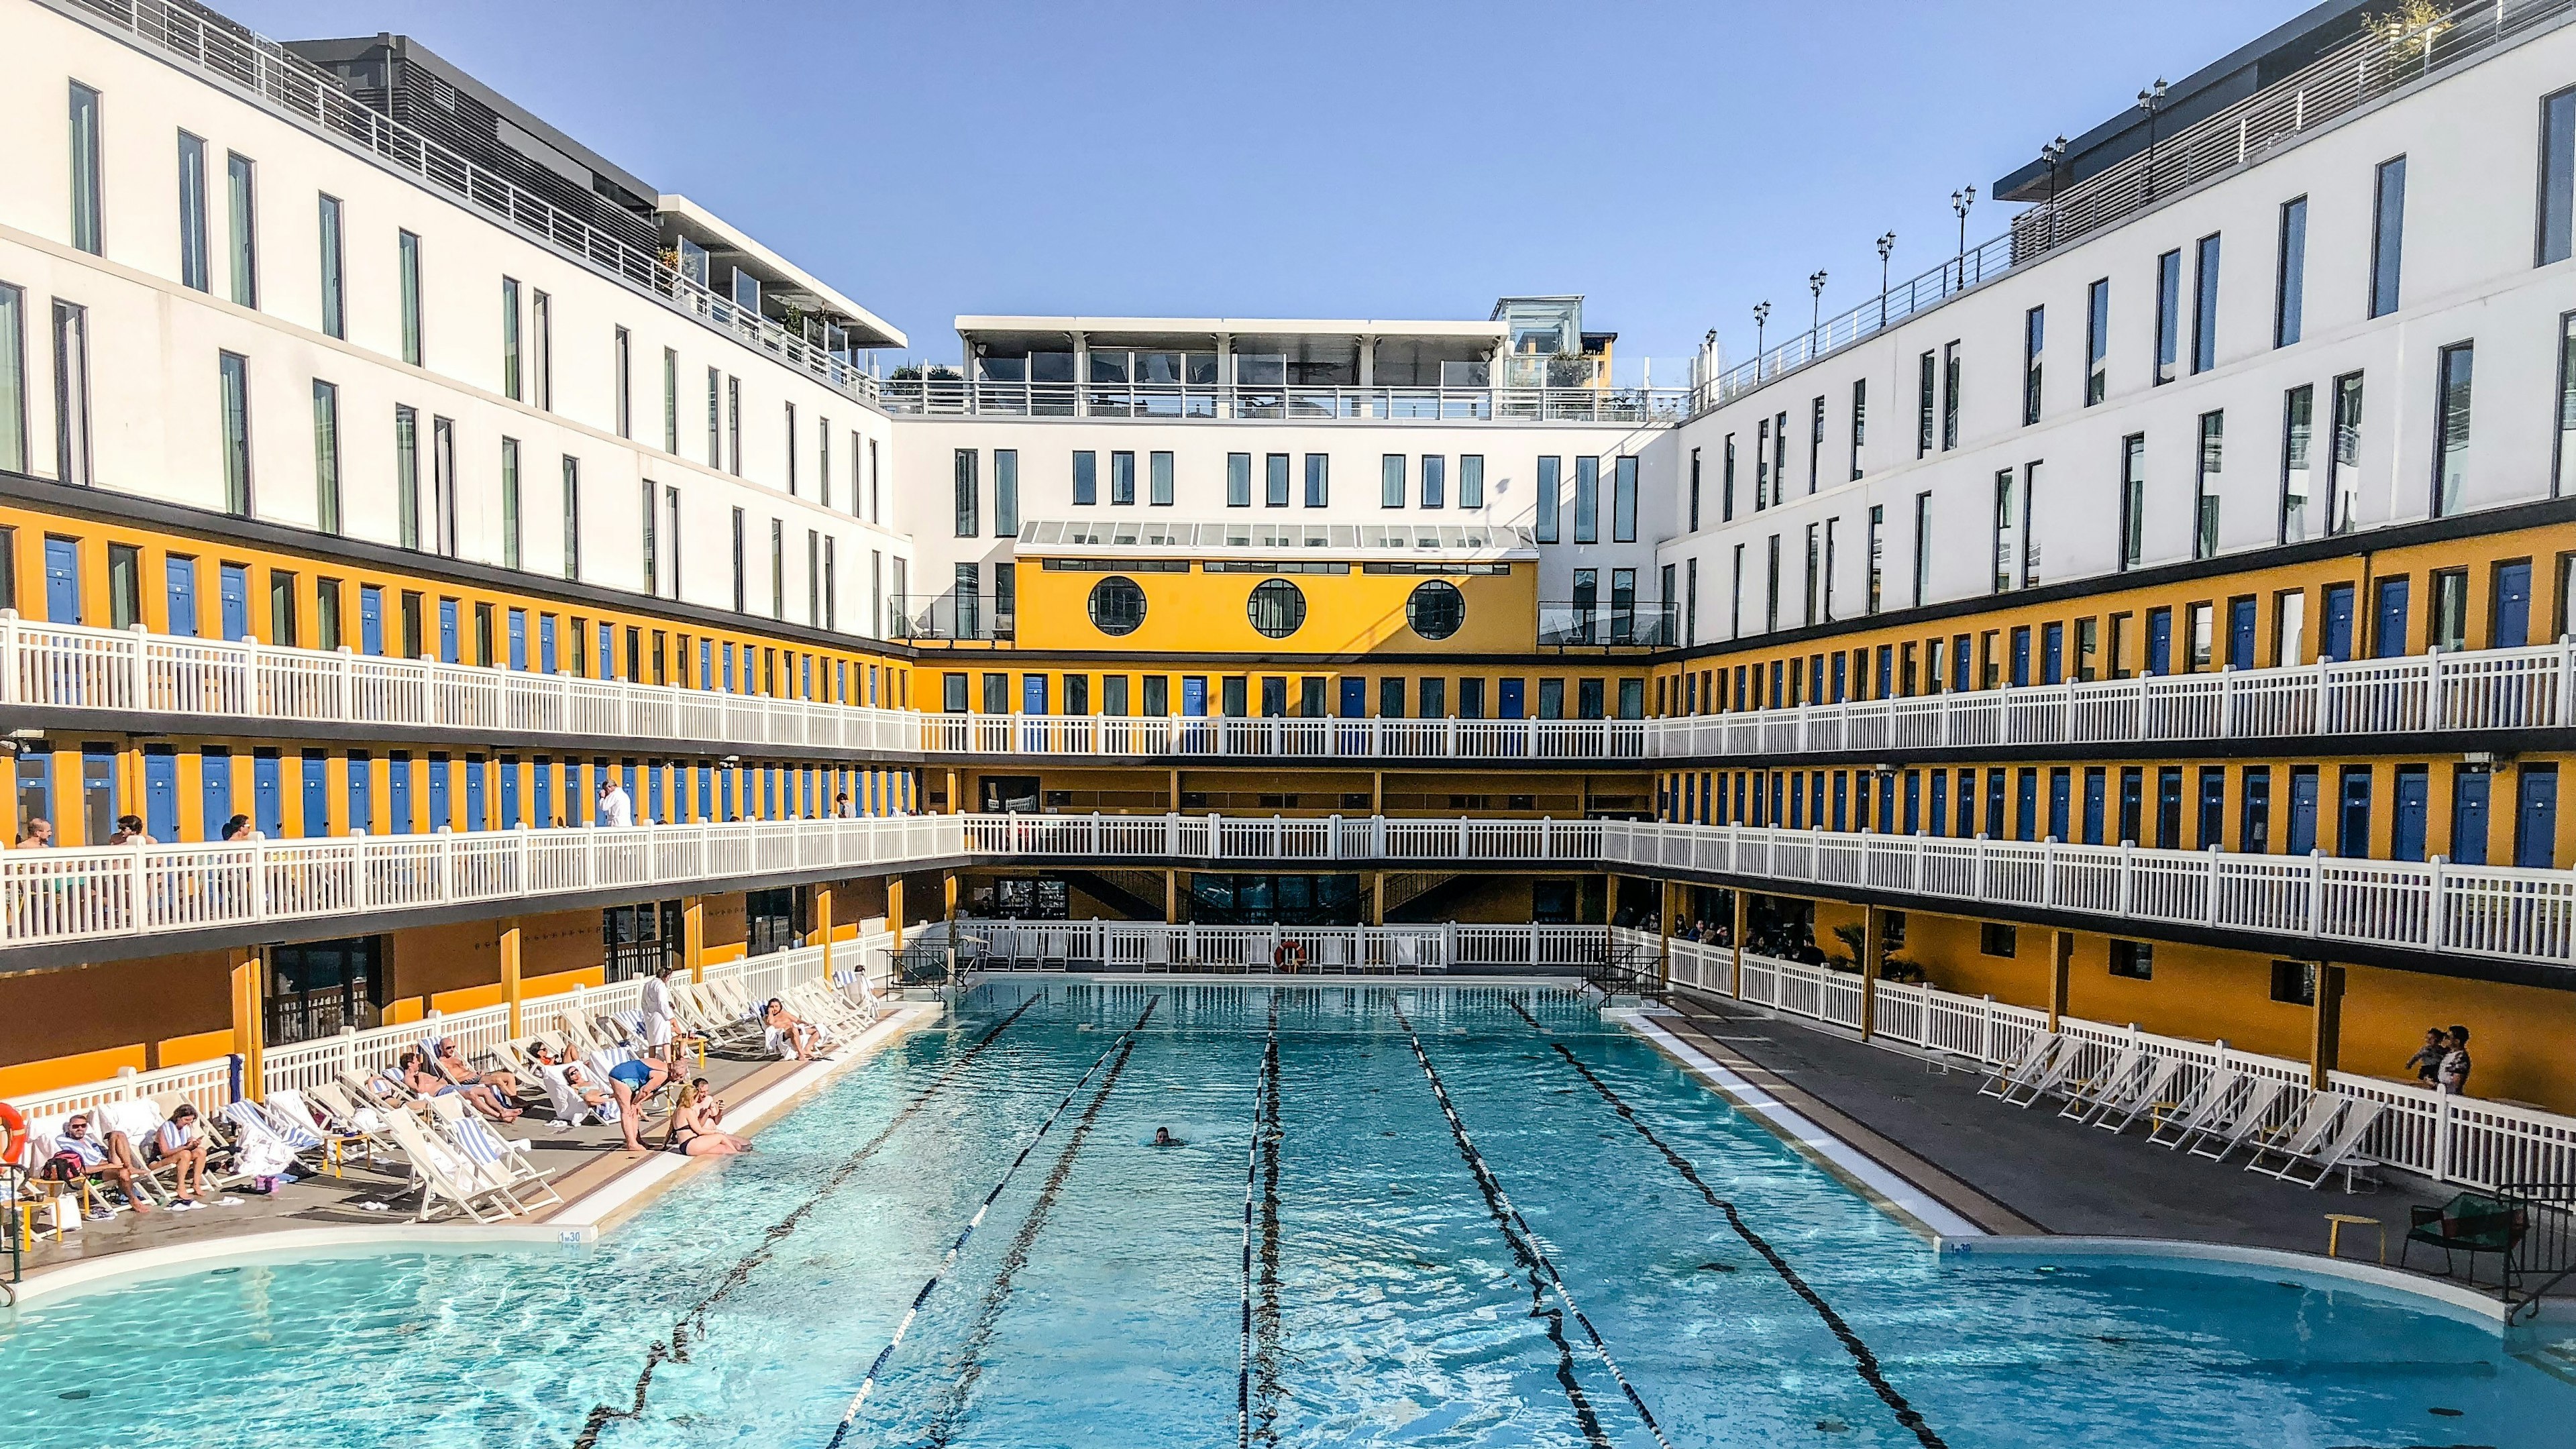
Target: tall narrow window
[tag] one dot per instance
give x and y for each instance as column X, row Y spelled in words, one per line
column 86, row 231
column 791, row 450
column 2204, row 305
column 407, row 262
column 671, row 531
column 1922, row 547
column 541, row 311
column 2557, row 178
column 778, row 568
column 670, row 400
column 235, row 370
column 650, row 513
column 1122, row 479
column 1726, row 481
column 1086, row 479
column 733, row 425
column 2290, row 274
column 1623, row 501
column 1390, row 488
column 442, row 484
column 1319, row 480
column 2034, row 336
column 1877, row 552
column 2387, row 235
column 2206, row 483
column 510, row 529
column 1815, row 576
column 335, row 306
column 2030, row 476
column 621, row 359
column 192, row 212
column 1158, row 479
column 814, row 578
column 2562, row 470
column 715, row 418
column 1927, row 388
column 407, row 476
column 1815, row 442
column 2133, row 500
column 1859, row 424
column 1771, row 590
column 13, row 378
column 1949, row 396
column 2347, row 454
column 571, row 517
column 1238, row 480
column 1006, row 492
column 1274, row 480
column 1587, row 500
column 2008, row 515
column 510, row 380
column 71, row 394
column 2298, row 438
column 1471, row 480
column 2168, row 316
column 326, row 456
column 1761, row 464
column 962, row 469
column 2451, row 456
column 1435, row 480
column 740, row 592
column 2097, row 342
column 244, row 252
column 1548, row 482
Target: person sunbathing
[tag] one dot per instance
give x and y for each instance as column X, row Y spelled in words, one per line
column 575, row 1079
column 693, row 1133
column 420, row 1076
column 795, row 1031
column 181, row 1142
column 78, row 1155
column 453, row 1067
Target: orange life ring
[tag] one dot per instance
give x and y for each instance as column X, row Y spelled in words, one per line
column 16, row 1126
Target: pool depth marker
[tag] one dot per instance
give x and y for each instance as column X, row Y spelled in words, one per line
column 1863, row 1360
column 1261, row 1177
column 949, row 1258
column 1525, row 1243
column 685, row 1329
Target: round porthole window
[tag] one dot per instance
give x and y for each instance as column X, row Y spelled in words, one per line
column 1436, row 609
column 1277, row 608
column 1117, row 605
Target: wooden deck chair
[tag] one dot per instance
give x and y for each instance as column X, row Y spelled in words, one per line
column 2224, row 1135
column 2339, row 1151
column 502, row 1159
column 2145, row 1095
column 351, row 1115
column 446, row 1175
column 2308, row 1132
column 2084, row 1098
column 2033, row 1054
column 2215, row 1095
column 2048, row 1076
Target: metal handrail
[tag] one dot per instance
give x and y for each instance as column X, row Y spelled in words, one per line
column 958, row 397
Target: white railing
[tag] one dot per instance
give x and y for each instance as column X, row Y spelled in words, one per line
column 998, row 945
column 2462, row 1140
column 957, row 397
column 2493, row 912
column 1283, row 739
column 209, row 1084
column 2489, row 689
column 292, row 86
column 1463, row 839
column 70, row 895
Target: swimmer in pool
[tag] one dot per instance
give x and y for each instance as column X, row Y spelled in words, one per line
column 1163, row 1138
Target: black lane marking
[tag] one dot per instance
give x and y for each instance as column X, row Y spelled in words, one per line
column 686, row 1328
column 948, row 1260
column 1263, row 1424
column 970, row 1365
column 1863, row 1360
column 1515, row 1005
column 1543, row 1275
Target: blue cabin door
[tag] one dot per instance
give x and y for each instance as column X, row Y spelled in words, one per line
column 2512, row 607
column 2159, row 640
column 182, row 576
column 233, row 586
column 371, row 620
column 2095, row 783
column 2338, row 639
column 2535, row 828
column 161, row 793
column 62, row 581
column 2389, row 638
column 2414, row 797
column 2352, row 826
column 2303, row 811
column 2240, row 634
column 268, row 804
column 215, row 784
column 447, row 631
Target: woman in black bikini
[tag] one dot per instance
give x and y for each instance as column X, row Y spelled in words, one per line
column 691, row 1134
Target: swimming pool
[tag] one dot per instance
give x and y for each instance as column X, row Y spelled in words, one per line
column 1391, row 1292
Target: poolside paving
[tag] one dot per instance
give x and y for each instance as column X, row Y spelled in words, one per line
column 2026, row 1170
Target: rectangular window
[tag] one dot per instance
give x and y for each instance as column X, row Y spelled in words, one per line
column 1086, row 478
column 1859, row 429
column 2290, row 274
column 335, row 321
column 1158, row 481
column 71, row 394
column 1815, row 442
column 1922, row 547
column 2562, row 437
column 967, row 492
column 1771, row 590
column 715, row 418
column 2298, row 436
column 2204, row 305
column 1238, row 480
column 1877, row 546
column 85, row 229
column 2034, row 335
column 571, row 517
column 670, row 400
column 1006, row 492
column 790, row 420
column 814, row 577
column 778, row 568
column 2133, row 500
column 1548, row 481
column 1623, row 500
column 1726, row 482
column 1949, row 396
column 510, row 555
column 235, row 371
column 2205, row 488
column 1471, row 480
column 1435, row 481
column 621, row 360
column 2008, row 517
column 510, row 372
column 2451, row 442
column 740, row 597
column 733, row 425
column 2347, row 454
column 1587, row 500
column 1814, row 577
column 2097, row 342
column 2134, row 960
column 1390, row 486
column 1927, row 401
column 407, row 262
column 541, row 310
column 1761, row 464
column 2387, row 236
column 2557, row 177
column 1122, row 480
column 244, row 252
column 2168, row 316
column 407, row 476
column 652, row 562
column 326, row 456
column 1319, row 480
column 442, row 485
column 192, row 213
column 1274, row 480
column 13, row 378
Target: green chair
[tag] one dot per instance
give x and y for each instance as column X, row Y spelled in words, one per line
column 2472, row 1223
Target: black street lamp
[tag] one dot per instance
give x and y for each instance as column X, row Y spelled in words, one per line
column 2152, row 101
column 2054, row 153
column 1886, row 244
column 1815, row 306
column 1960, row 201
column 1761, row 319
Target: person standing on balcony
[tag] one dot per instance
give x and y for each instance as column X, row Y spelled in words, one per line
column 616, row 811
column 2455, row 1064
column 39, row 834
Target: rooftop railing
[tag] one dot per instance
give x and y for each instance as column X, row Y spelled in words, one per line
column 1957, row 274
column 72, row 667
column 1578, row 624
column 958, row 397
column 293, row 86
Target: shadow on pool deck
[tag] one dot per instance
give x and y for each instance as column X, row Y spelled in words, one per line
column 2019, row 1171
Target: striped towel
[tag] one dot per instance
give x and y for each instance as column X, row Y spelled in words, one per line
column 478, row 1141
column 292, row 1126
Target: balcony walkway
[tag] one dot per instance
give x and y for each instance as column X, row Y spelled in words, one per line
column 2022, row 1172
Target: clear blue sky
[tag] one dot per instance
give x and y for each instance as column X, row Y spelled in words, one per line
column 1674, row 163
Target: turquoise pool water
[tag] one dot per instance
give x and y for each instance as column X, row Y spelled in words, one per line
column 1102, row 1301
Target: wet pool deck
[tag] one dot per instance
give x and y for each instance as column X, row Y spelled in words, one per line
column 2026, row 1171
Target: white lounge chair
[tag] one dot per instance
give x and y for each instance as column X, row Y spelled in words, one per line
column 2050, row 1075
column 2310, row 1131
column 445, row 1174
column 2225, row 1133
column 2216, row 1093
column 503, row 1159
column 2145, row 1096
column 2086, row 1097
column 2340, row 1151
column 2033, row 1054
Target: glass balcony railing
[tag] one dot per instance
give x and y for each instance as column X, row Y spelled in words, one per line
column 957, row 397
